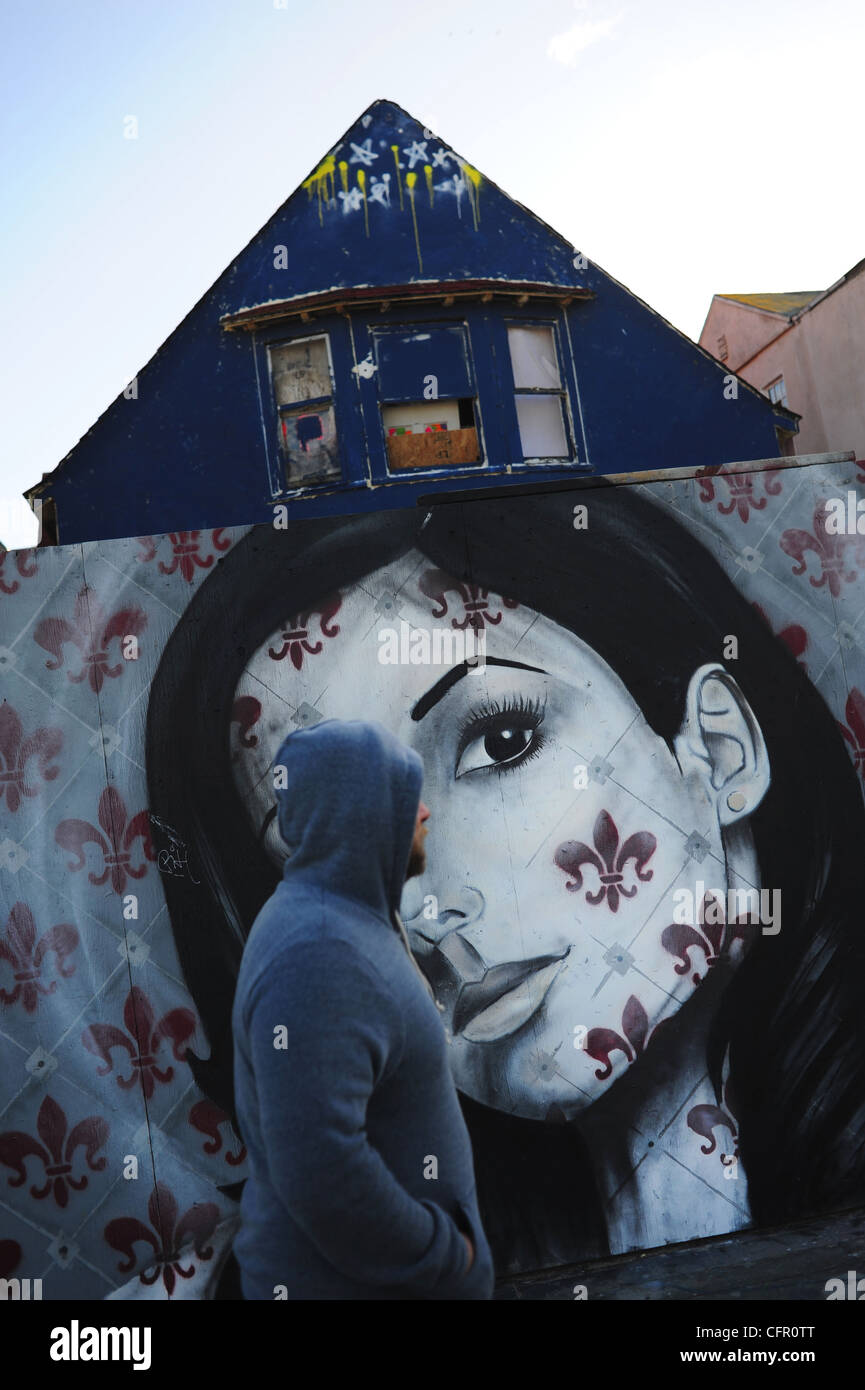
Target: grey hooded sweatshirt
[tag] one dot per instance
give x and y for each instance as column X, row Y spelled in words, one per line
column 361, row 1172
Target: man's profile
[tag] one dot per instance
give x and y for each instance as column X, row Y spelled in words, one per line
column 361, row 1174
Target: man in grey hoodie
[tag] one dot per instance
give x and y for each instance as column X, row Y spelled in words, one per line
column 361, row 1181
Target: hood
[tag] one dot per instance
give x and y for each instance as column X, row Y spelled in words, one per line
column 348, row 809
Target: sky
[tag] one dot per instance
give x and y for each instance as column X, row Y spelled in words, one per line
column 688, row 148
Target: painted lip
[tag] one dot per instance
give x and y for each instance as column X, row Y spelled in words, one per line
column 505, row 999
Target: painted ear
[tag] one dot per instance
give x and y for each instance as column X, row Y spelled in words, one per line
column 721, row 740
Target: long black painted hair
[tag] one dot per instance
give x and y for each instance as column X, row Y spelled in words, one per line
column 655, row 605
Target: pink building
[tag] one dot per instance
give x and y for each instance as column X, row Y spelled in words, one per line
column 804, row 349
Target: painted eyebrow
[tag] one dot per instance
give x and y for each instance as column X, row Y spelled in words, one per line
column 441, row 687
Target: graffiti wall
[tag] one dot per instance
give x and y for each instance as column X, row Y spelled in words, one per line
column 641, row 712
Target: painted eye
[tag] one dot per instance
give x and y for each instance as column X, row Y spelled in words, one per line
column 503, row 747
column 500, row 736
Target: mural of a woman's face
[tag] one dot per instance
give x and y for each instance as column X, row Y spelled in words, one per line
column 561, row 826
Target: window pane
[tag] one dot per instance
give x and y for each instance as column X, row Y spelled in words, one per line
column 777, row 391
column 542, row 430
column 300, row 371
column 415, row 363
column 420, row 417
column 533, row 357
column 308, row 439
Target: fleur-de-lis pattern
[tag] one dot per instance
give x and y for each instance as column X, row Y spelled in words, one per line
column 207, row 1118
column 165, row 1238
column 710, row 936
column 26, row 955
column 115, row 846
column 478, row 610
column 83, row 916
column 26, row 763
column 609, row 860
column 93, row 631
column 189, row 551
column 23, row 562
column 840, row 556
column 705, row 1119
column 602, row 1042
column 142, row 1039
column 745, row 492
column 296, row 635
column 55, row 1149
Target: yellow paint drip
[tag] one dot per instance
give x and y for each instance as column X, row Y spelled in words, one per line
column 473, row 185
column 410, row 181
column 361, row 183
column 427, row 169
column 395, row 149
column 320, row 181
column 343, row 175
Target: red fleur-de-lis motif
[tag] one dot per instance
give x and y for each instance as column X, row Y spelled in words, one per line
column 853, row 732
column 142, row 1041
column 245, row 712
column 679, row 938
column 600, row 1042
column 831, row 550
column 166, row 1236
column 92, row 631
column 115, row 845
column 25, row 563
column 743, row 498
column 295, row 636
column 20, row 949
column 705, row 1119
column 794, row 636
column 436, row 584
column 207, row 1118
column 609, row 861
column 16, row 752
column 185, row 546
column 55, row 1151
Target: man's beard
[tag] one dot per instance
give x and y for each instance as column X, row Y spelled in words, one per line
column 416, row 863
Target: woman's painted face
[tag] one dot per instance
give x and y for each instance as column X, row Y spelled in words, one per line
column 560, row 828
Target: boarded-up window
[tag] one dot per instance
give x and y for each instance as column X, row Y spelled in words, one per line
column 427, row 397
column 539, row 395
column 303, row 392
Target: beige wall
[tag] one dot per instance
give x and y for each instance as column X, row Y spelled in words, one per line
column 830, row 362
column 746, row 330
column 821, row 358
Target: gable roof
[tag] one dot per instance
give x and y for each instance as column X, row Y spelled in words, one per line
column 389, row 204
column 392, row 204
column 785, row 304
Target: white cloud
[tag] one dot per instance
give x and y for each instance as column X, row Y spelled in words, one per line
column 565, row 48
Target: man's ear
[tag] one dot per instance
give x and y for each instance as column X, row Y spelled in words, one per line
column 722, row 742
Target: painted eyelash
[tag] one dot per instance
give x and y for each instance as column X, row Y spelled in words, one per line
column 492, row 716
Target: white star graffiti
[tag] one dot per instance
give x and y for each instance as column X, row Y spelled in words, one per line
column 415, row 153
column 352, row 200
column 363, row 154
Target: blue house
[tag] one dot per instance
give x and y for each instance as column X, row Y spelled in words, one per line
column 398, row 329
